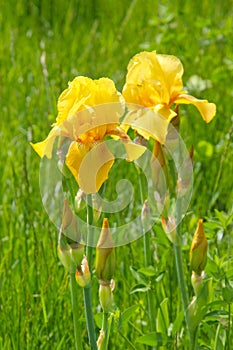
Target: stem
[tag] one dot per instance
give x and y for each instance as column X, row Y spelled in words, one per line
column 89, row 317
column 179, row 264
column 76, row 316
column 106, row 332
column 147, row 262
column 90, row 235
column 182, row 285
column 87, row 290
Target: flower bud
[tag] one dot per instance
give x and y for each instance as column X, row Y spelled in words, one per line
column 70, row 255
column 197, row 282
column 198, row 251
column 169, row 227
column 105, row 254
column 69, row 223
column 77, row 252
column 65, row 258
column 106, row 295
column 83, row 276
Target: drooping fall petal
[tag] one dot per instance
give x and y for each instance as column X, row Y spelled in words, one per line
column 147, row 123
column 206, row 109
column 44, row 148
column 89, row 164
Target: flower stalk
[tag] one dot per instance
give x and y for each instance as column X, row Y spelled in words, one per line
column 87, row 289
column 105, row 268
column 76, row 315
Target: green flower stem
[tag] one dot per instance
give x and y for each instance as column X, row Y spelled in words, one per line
column 104, row 346
column 89, row 317
column 147, row 262
column 183, row 287
column 76, row 316
column 180, row 272
column 150, row 297
column 90, row 235
column 87, row 290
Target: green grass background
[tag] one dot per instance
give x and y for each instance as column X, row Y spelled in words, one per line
column 44, row 44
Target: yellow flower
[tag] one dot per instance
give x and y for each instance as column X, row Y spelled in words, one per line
column 155, row 81
column 88, row 111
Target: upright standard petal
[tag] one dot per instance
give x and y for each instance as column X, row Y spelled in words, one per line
column 84, row 92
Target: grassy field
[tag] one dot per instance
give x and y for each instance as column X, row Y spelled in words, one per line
column 44, row 44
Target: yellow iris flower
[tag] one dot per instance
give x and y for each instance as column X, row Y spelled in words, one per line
column 155, row 81
column 88, row 111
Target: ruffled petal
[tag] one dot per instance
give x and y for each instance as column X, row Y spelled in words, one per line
column 83, row 93
column 206, row 109
column 147, row 123
column 90, row 165
column 173, row 70
column 153, row 79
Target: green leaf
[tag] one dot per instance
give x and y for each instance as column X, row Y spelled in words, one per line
column 162, row 321
column 215, row 315
column 98, row 319
column 149, row 271
column 227, row 294
column 160, row 276
column 125, row 316
column 139, row 288
column 152, row 339
column 140, row 278
column 178, row 322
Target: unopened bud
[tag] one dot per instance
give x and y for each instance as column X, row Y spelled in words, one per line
column 105, row 254
column 65, row 258
column 83, row 276
column 77, row 252
column 70, row 255
column 169, row 227
column 105, row 296
column 197, row 282
column 198, row 251
column 69, row 223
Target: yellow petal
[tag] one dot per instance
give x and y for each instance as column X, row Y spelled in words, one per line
column 44, row 148
column 84, row 92
column 206, row 109
column 153, row 79
column 90, row 165
column 133, row 150
column 173, row 70
column 147, row 123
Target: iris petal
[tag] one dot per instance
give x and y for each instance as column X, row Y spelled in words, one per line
column 89, row 164
column 206, row 109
